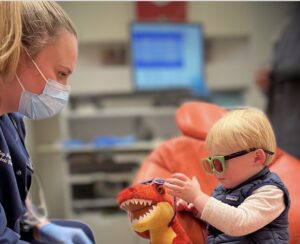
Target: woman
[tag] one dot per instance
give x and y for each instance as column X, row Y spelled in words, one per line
column 38, row 51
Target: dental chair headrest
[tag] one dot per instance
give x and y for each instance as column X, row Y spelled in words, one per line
column 194, row 119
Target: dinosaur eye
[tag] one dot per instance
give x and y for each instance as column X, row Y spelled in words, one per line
column 160, row 189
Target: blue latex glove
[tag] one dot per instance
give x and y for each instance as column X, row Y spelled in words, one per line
column 52, row 233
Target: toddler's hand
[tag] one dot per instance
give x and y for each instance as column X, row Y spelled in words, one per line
column 182, row 205
column 185, row 206
column 183, row 187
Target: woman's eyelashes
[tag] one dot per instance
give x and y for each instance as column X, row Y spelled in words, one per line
column 62, row 75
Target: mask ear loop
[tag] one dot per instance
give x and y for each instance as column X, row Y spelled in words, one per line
column 34, row 215
column 37, row 67
column 18, row 79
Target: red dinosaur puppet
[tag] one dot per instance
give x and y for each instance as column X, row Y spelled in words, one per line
column 153, row 213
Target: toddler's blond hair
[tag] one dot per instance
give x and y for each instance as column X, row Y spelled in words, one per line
column 241, row 129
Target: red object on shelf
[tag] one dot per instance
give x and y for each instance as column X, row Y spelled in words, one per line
column 161, row 11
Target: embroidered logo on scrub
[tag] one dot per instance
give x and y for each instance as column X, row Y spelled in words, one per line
column 5, row 158
column 232, row 198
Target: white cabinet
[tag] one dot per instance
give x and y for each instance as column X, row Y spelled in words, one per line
column 113, row 229
column 97, row 174
column 78, row 187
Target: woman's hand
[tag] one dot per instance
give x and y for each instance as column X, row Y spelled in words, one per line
column 52, row 233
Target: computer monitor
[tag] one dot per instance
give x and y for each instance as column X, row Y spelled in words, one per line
column 168, row 56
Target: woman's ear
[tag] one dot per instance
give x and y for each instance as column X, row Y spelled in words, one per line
column 259, row 157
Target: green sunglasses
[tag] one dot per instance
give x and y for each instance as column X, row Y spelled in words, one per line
column 217, row 163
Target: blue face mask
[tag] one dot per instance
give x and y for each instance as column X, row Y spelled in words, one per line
column 42, row 106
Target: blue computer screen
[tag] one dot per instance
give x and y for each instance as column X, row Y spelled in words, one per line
column 167, row 56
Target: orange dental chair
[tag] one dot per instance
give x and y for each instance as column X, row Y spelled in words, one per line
column 183, row 154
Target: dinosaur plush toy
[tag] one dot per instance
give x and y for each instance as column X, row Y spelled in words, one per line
column 153, row 213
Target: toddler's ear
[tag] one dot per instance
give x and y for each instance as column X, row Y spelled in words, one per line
column 259, row 156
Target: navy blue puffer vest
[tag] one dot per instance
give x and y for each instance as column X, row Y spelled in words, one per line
column 274, row 232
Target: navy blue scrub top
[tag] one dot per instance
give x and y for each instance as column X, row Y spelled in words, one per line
column 15, row 176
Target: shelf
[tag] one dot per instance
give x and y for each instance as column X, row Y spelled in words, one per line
column 143, row 146
column 95, row 203
column 121, row 112
column 105, row 176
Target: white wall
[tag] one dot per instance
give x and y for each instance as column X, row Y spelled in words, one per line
column 100, row 21
column 240, row 37
column 267, row 21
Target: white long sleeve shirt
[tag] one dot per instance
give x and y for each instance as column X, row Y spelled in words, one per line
column 259, row 209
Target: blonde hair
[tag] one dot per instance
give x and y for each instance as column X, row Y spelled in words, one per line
column 31, row 24
column 241, row 129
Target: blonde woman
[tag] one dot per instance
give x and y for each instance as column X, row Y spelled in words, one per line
column 250, row 205
column 38, row 51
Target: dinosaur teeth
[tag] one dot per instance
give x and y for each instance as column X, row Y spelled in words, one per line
column 136, row 202
column 152, row 209
column 141, row 217
column 145, row 215
column 143, row 202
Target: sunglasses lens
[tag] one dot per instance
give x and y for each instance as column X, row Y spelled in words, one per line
column 158, row 181
column 207, row 166
column 218, row 165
